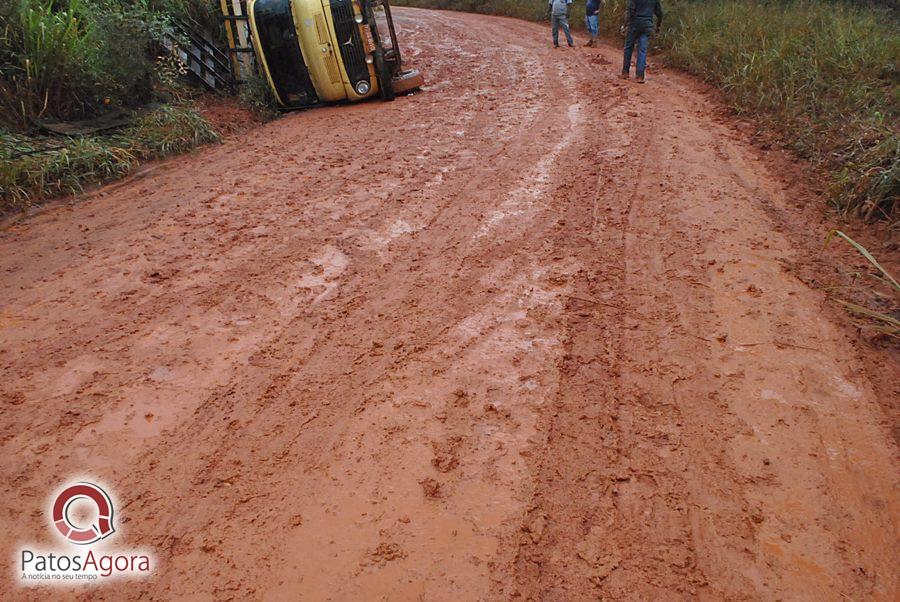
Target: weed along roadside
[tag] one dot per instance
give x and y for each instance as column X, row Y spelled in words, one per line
column 35, row 168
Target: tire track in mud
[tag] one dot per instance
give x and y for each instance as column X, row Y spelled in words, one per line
column 595, row 490
column 650, row 479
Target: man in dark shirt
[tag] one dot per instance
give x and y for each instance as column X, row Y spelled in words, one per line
column 639, row 20
column 592, row 20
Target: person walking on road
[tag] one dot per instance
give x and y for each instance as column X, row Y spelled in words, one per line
column 592, row 20
column 639, row 21
column 559, row 17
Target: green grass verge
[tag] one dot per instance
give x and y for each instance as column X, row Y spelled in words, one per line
column 823, row 74
column 32, row 169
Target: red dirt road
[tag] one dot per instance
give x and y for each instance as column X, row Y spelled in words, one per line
column 530, row 334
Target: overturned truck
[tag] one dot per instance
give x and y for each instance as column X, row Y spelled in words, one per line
column 315, row 51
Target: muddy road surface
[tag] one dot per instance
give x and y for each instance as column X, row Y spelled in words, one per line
column 531, row 333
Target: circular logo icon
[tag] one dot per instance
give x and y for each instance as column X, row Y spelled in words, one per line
column 83, row 535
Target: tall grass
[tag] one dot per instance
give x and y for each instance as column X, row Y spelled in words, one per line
column 823, row 74
column 46, row 58
column 72, row 58
column 32, row 169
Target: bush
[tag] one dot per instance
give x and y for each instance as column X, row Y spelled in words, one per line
column 48, row 59
column 205, row 13
column 70, row 58
column 25, row 178
column 128, row 36
column 169, row 130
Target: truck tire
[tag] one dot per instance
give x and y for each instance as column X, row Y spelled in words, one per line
column 385, row 81
column 407, row 81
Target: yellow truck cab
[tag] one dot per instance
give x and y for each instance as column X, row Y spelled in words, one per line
column 316, row 51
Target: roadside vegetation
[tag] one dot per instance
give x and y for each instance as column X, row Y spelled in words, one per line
column 822, row 74
column 32, row 167
column 77, row 59
column 258, row 97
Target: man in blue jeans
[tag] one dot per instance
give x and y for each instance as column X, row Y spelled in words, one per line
column 639, row 20
column 559, row 17
column 592, row 20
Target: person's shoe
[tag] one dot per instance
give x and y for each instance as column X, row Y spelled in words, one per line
column 623, row 75
column 639, row 79
column 556, row 45
column 571, row 44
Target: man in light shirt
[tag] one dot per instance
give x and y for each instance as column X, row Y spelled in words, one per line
column 559, row 17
